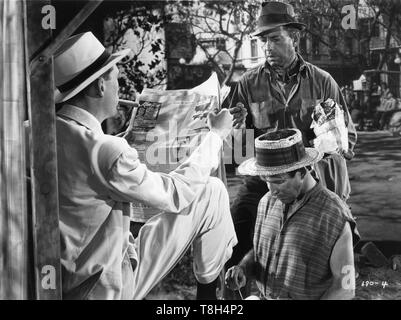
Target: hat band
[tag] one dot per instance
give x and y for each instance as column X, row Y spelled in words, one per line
column 280, row 157
column 86, row 73
column 274, row 18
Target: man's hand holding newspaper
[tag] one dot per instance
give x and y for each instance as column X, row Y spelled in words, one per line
column 167, row 125
column 220, row 123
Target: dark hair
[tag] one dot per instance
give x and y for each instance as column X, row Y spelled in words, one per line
column 291, row 30
column 302, row 170
column 295, row 34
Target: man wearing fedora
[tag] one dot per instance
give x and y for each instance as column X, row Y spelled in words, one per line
column 99, row 174
column 304, row 233
column 279, row 94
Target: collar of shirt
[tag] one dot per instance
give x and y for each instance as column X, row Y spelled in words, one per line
column 299, row 61
column 286, row 74
column 80, row 116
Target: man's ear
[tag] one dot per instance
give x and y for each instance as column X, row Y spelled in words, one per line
column 301, row 174
column 296, row 40
column 100, row 87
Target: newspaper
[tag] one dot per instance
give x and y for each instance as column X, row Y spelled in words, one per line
column 168, row 125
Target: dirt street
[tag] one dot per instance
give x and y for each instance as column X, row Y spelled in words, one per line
column 375, row 175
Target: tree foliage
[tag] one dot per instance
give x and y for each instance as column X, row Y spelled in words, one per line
column 228, row 22
column 139, row 27
column 389, row 17
column 324, row 20
column 221, row 27
column 233, row 21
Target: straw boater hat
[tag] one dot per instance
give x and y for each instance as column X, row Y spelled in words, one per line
column 275, row 14
column 78, row 62
column 279, row 152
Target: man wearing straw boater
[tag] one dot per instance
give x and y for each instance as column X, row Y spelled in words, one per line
column 99, row 174
column 304, row 233
column 282, row 93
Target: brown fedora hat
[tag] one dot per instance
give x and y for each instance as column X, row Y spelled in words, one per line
column 275, row 14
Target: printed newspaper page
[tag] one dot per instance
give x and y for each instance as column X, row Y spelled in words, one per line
column 168, row 125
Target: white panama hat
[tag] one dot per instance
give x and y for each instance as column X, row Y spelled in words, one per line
column 279, row 152
column 80, row 60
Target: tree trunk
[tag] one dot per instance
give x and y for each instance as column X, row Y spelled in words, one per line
column 387, row 43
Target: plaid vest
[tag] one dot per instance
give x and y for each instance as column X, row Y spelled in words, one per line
column 293, row 256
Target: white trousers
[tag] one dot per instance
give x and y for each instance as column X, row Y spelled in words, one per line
column 164, row 239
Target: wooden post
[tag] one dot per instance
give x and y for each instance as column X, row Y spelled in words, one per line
column 46, row 233
column 43, row 161
column 46, row 53
column 13, row 212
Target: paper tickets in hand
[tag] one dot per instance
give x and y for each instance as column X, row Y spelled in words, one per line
column 328, row 124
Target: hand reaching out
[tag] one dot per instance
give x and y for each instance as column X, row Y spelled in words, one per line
column 235, row 278
column 220, row 123
column 239, row 115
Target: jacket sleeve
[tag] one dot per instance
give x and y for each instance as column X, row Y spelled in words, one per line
column 130, row 180
column 241, row 94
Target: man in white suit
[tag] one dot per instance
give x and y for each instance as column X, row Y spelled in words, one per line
column 100, row 174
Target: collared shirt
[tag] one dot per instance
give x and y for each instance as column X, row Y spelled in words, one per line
column 292, row 253
column 272, row 105
column 268, row 108
column 94, row 220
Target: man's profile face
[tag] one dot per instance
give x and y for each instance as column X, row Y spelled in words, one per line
column 284, row 187
column 278, row 47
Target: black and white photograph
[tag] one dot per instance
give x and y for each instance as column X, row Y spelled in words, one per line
column 286, row 120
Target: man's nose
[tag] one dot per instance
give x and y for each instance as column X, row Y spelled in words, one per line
column 268, row 46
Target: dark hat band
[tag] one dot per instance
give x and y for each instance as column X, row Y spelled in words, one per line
column 280, row 157
column 274, row 18
column 86, row 73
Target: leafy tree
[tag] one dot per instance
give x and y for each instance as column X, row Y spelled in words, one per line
column 227, row 23
column 390, row 13
column 324, row 19
column 138, row 26
column 234, row 21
